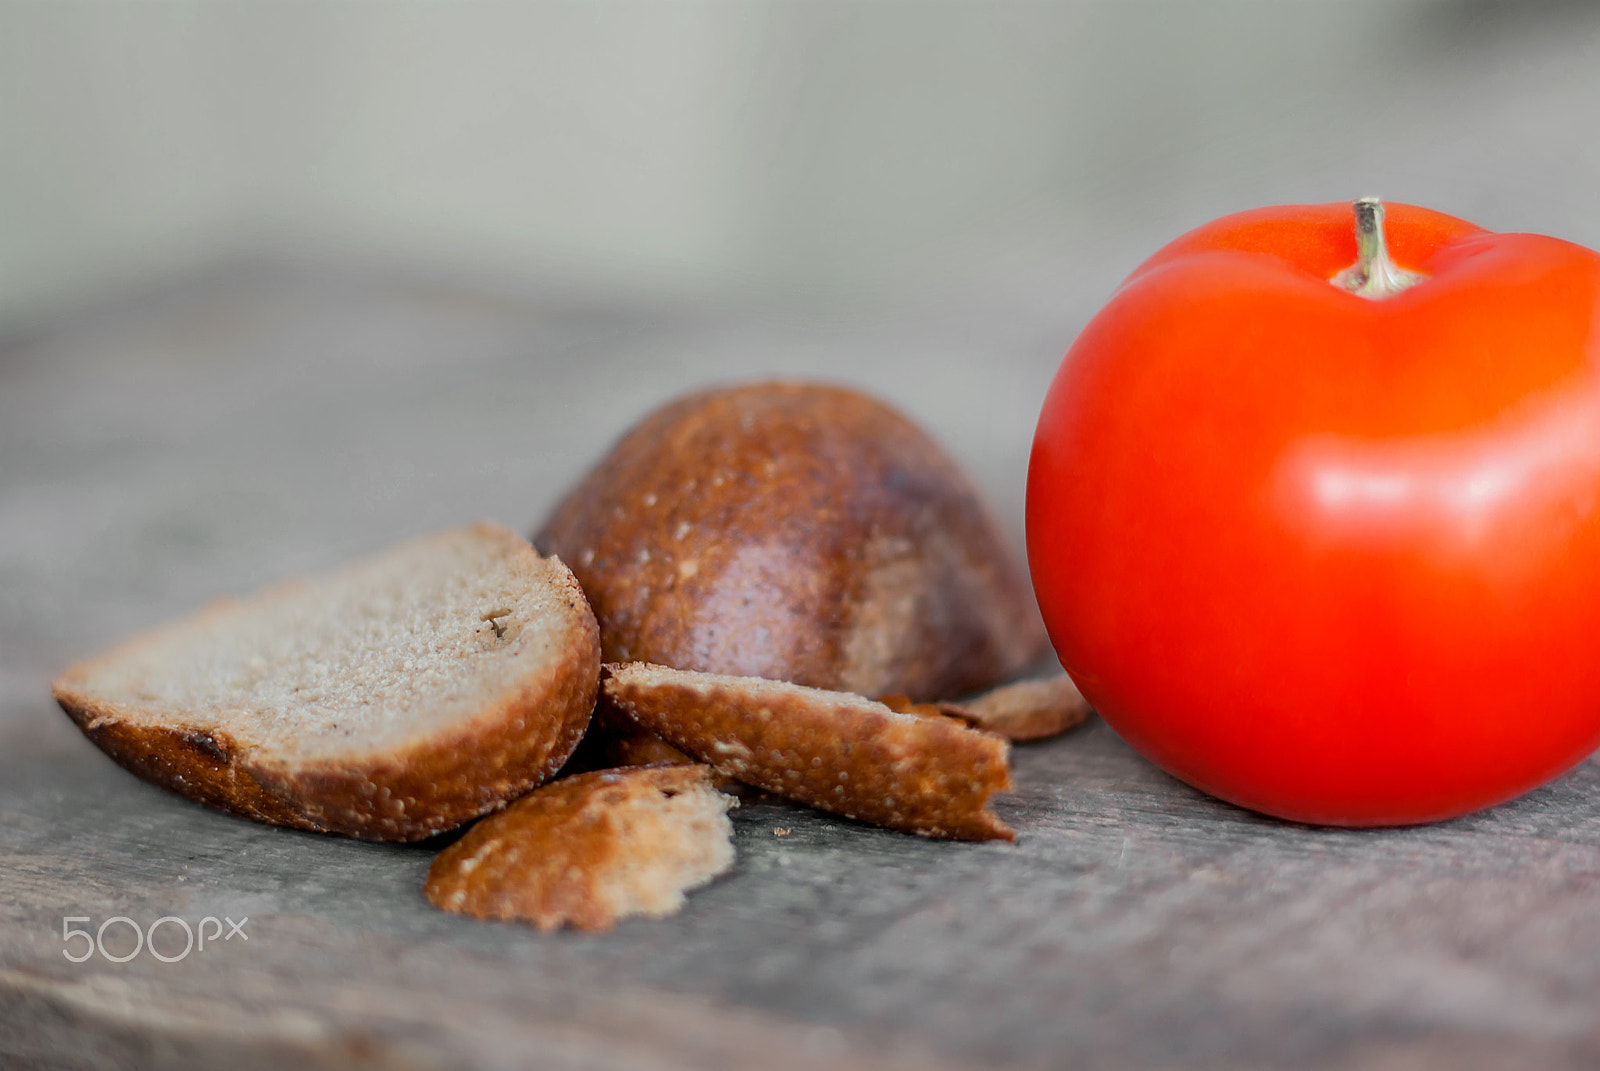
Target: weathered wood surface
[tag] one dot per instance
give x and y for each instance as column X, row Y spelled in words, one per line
column 266, row 422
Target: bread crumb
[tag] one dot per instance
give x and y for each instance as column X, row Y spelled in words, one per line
column 588, row 850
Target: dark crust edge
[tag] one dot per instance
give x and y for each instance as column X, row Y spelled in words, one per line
column 197, row 766
column 437, row 784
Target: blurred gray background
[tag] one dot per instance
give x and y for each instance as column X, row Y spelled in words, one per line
column 282, row 280
column 864, row 153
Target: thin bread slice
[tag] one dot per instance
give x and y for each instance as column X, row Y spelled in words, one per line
column 835, row 751
column 590, row 849
column 1025, row 710
column 396, row 698
column 1030, row 710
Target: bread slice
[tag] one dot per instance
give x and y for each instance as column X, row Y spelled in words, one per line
column 398, row 697
column 1030, row 710
column 590, row 849
column 836, row 751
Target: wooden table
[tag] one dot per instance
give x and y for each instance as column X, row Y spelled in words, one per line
column 212, row 436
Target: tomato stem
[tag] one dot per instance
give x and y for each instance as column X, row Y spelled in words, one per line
column 1373, row 275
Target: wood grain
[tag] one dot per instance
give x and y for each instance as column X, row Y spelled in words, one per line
column 218, row 435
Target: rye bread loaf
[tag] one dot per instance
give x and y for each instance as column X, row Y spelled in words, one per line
column 798, row 532
column 393, row 699
column 590, row 849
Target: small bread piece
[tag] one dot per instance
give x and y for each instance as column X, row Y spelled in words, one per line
column 835, row 751
column 590, row 849
column 1026, row 710
column 799, row 532
column 393, row 699
column 1029, row 710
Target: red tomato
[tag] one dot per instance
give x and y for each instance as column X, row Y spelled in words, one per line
column 1331, row 557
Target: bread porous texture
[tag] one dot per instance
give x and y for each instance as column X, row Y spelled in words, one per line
column 396, row 698
column 590, row 849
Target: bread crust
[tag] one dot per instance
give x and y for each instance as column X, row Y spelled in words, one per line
column 798, row 532
column 1024, row 710
column 575, row 852
column 437, row 783
column 837, row 752
column 1030, row 710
